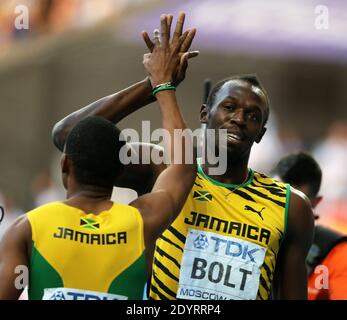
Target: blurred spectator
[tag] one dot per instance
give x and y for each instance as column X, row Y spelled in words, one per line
column 327, row 258
column 331, row 153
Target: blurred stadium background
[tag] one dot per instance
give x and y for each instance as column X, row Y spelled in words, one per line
column 76, row 51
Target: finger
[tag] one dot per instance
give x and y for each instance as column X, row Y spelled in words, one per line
column 164, row 30
column 146, row 56
column 193, row 54
column 184, row 58
column 148, row 41
column 156, row 37
column 179, row 27
column 169, row 18
column 182, row 68
column 188, row 41
column 188, row 55
column 181, row 40
column 146, row 59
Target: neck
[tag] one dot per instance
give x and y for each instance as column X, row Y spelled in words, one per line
column 236, row 171
column 88, row 192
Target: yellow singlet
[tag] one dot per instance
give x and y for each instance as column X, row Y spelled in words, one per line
column 224, row 243
column 82, row 256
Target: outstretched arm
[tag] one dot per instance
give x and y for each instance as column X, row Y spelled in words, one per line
column 15, row 250
column 113, row 107
column 118, row 105
column 291, row 278
column 160, row 207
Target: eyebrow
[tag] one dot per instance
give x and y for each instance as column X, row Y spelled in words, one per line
column 253, row 106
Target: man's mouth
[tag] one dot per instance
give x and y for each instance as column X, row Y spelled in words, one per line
column 232, row 137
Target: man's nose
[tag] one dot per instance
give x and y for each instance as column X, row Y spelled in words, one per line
column 239, row 117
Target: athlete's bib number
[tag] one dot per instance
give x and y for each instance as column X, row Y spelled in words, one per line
column 77, row 294
column 217, row 267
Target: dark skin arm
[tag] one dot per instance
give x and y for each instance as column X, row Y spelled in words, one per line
column 160, row 207
column 113, row 107
column 117, row 106
column 141, row 177
column 291, row 273
column 15, row 250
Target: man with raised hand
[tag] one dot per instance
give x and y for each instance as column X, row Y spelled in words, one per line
column 239, row 233
column 88, row 247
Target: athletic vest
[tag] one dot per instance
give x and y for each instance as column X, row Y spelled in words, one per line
column 82, row 256
column 224, row 243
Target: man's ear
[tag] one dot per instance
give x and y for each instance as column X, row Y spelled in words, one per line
column 204, row 112
column 260, row 135
column 316, row 200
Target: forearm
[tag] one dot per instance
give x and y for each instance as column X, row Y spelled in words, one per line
column 114, row 107
column 178, row 143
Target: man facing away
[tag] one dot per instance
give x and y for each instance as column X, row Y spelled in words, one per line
column 239, row 233
column 88, row 247
column 327, row 258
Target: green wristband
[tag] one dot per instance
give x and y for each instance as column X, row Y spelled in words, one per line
column 162, row 87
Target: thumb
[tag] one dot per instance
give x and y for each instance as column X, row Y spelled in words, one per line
column 184, row 58
column 192, row 54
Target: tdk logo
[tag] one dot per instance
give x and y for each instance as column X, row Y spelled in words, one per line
column 82, row 296
column 233, row 248
column 76, row 295
column 201, row 241
column 59, row 295
column 79, row 294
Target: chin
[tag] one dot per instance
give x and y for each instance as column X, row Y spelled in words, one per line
column 235, row 148
column 237, row 152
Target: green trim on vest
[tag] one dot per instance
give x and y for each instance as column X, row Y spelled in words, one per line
column 131, row 281
column 288, row 194
column 250, row 177
column 42, row 275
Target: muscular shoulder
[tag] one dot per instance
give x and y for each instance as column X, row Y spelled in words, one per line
column 18, row 224
column 18, row 234
column 299, row 200
column 300, row 215
column 141, row 173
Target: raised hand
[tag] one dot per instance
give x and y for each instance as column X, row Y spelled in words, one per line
column 179, row 74
column 163, row 62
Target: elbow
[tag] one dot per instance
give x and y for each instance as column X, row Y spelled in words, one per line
column 59, row 135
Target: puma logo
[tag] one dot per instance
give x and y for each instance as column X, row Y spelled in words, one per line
column 248, row 208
